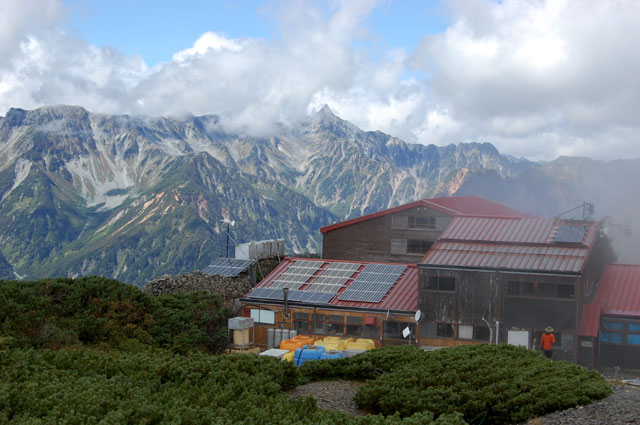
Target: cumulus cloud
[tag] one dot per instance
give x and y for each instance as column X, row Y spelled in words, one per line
column 539, row 77
column 536, row 78
column 19, row 19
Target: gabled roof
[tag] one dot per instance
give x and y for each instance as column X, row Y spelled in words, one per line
column 454, row 205
column 515, row 243
column 402, row 296
column 618, row 294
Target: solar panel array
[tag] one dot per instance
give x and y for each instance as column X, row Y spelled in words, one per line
column 297, row 274
column 570, row 234
column 302, row 296
column 373, row 283
column 228, row 267
column 333, row 277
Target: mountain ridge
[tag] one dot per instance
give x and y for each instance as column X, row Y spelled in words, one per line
column 132, row 197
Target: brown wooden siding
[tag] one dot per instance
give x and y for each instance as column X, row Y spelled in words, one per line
column 446, row 342
column 260, row 329
column 371, row 240
column 464, row 306
column 535, row 312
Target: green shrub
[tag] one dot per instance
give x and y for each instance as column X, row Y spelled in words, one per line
column 54, row 313
column 506, row 384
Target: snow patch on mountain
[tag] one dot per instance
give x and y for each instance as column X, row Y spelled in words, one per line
column 22, row 168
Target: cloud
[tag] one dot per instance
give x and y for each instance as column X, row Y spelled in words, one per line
column 19, row 19
column 536, row 78
column 521, row 72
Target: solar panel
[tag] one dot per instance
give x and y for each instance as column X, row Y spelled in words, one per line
column 570, row 234
column 373, row 283
column 227, row 267
column 307, row 264
column 266, row 293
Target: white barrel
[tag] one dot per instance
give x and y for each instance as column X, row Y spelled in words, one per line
column 285, row 334
column 270, row 338
column 278, row 338
column 293, row 334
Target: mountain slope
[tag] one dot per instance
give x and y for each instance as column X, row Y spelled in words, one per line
column 134, row 197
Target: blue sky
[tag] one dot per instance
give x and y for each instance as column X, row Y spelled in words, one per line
column 537, row 78
column 155, row 30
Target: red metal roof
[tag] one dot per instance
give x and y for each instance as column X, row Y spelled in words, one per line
column 403, row 296
column 524, row 230
column 501, row 256
column 618, row 294
column 454, row 205
column 514, row 243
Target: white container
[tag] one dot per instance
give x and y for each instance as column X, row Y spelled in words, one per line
column 350, row 352
column 274, row 352
column 277, row 339
column 270, row 338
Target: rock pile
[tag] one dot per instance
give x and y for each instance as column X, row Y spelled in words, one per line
column 227, row 288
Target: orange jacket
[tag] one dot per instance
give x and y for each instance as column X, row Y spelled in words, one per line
column 547, row 341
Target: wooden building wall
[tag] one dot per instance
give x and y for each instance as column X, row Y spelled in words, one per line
column 372, row 240
column 379, row 332
column 536, row 311
column 474, row 291
column 452, row 318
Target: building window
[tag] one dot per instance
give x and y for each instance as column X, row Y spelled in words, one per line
column 441, row 283
column 465, row 332
column 354, row 325
column 541, row 290
column 556, row 290
column 301, row 322
column 393, row 330
column 414, row 222
column 428, row 329
column 620, row 331
column 336, row 325
column 398, row 246
column 521, row 289
column 565, row 340
column 481, row 333
column 371, row 331
column 320, row 323
column 418, row 246
column 444, row 330
column 263, row 316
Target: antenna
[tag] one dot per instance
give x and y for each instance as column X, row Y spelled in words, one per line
column 230, row 223
column 588, row 209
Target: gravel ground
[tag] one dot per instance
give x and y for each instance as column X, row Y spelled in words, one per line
column 621, row 408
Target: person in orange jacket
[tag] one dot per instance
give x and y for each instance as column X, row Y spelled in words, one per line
column 547, row 340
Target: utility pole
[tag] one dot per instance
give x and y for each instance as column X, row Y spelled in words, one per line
column 230, row 223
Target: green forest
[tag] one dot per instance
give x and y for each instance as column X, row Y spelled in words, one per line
column 98, row 351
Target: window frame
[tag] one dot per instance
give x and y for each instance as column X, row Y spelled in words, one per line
column 622, row 330
column 334, row 324
column 257, row 315
column 421, row 249
column 551, row 289
column 354, row 322
column 320, row 323
column 439, row 285
column 297, row 318
column 392, row 329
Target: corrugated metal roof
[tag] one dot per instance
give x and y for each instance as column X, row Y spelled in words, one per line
column 503, row 256
column 523, row 230
column 403, row 296
column 511, row 243
column 454, row 205
column 618, row 294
